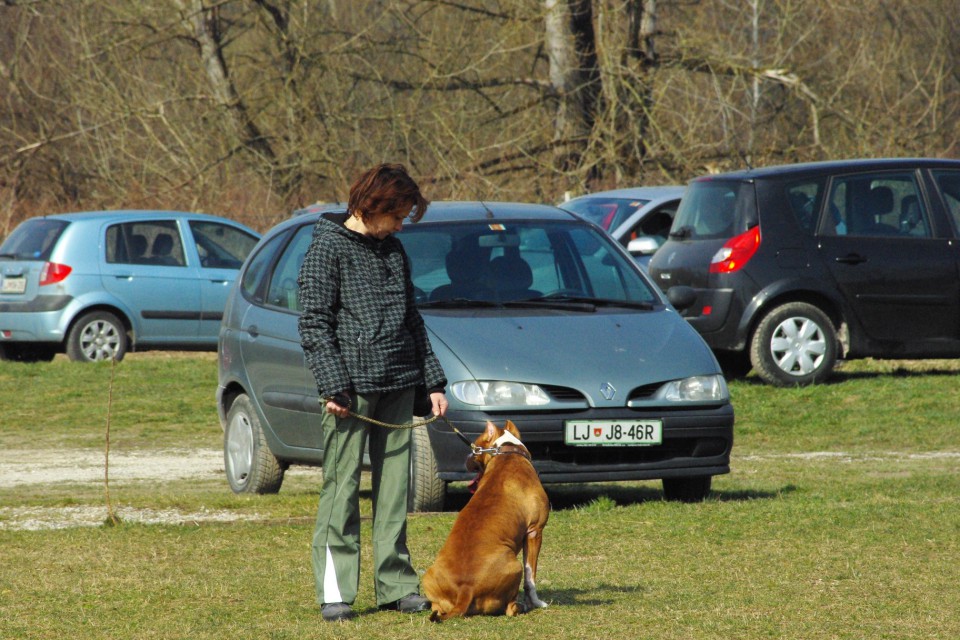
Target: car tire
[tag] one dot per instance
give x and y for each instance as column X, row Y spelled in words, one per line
column 427, row 492
column 795, row 344
column 249, row 464
column 693, row 489
column 97, row 336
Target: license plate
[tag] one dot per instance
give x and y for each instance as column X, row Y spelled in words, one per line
column 613, row 433
column 13, row 285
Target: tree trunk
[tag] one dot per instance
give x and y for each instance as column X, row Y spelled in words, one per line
column 204, row 24
column 574, row 76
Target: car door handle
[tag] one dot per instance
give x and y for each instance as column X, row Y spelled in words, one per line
column 851, row 258
column 253, row 331
column 223, row 282
column 123, row 276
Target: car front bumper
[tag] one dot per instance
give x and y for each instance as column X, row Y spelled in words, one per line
column 695, row 443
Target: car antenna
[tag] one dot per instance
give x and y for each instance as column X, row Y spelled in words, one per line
column 486, row 208
column 745, row 158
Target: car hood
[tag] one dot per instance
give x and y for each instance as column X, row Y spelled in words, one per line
column 583, row 351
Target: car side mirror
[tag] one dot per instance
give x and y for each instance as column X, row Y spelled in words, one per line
column 643, row 246
column 681, row 297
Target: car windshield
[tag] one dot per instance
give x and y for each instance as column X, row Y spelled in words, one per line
column 607, row 213
column 33, row 240
column 708, row 210
column 520, row 262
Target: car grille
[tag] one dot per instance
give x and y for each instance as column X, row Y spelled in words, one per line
column 645, row 391
column 564, row 394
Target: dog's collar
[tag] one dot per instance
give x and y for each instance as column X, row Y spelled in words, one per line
column 518, row 449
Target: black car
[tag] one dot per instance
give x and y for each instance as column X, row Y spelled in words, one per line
column 796, row 266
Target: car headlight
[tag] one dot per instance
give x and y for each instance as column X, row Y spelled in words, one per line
column 499, row 393
column 697, row 389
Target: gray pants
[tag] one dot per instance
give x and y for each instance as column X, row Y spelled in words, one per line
column 336, row 538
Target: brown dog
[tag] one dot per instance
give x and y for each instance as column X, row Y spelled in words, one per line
column 477, row 571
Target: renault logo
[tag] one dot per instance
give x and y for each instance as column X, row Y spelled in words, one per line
column 607, row 390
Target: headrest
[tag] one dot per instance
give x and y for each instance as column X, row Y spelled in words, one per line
column 511, row 272
column 881, row 200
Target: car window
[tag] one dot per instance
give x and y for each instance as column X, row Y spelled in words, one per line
column 607, row 213
column 33, row 239
column 254, row 278
column 655, row 224
column 519, row 261
column 221, row 246
column 283, row 290
column 708, row 210
column 145, row 242
column 949, row 182
column 804, row 199
column 876, row 205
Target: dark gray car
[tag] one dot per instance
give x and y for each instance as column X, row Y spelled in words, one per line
column 535, row 315
column 797, row 266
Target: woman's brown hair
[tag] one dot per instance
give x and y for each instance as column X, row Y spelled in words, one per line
column 385, row 189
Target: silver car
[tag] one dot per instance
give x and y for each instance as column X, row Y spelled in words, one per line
column 639, row 218
column 535, row 315
column 97, row 284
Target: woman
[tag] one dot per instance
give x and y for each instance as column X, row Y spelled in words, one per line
column 367, row 346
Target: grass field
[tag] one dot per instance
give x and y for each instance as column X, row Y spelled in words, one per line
column 840, row 519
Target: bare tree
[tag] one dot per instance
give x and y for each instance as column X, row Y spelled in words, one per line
column 570, row 44
column 252, row 107
column 205, row 29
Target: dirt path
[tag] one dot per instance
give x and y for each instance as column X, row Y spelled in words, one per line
column 32, row 466
column 23, row 467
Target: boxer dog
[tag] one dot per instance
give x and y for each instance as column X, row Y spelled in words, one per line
column 477, row 571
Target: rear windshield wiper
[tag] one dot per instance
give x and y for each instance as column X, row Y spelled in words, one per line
column 683, row 232
column 562, row 298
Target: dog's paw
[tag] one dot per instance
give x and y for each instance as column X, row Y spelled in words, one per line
column 531, row 602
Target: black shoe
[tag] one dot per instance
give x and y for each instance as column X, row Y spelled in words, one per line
column 412, row 603
column 336, row 611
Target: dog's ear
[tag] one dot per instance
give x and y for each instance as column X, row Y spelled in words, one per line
column 512, row 428
column 492, row 433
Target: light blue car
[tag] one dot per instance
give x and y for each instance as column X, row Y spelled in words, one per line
column 97, row 284
column 639, row 218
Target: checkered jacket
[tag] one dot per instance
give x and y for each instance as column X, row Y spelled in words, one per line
column 360, row 329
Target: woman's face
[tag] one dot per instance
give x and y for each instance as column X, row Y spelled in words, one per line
column 384, row 225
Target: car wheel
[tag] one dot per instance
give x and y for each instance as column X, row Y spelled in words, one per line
column 693, row 489
column 249, row 464
column 97, row 336
column 794, row 345
column 427, row 492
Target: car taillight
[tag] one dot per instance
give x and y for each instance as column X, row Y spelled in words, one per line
column 736, row 252
column 54, row 272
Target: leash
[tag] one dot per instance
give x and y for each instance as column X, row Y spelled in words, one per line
column 412, row 425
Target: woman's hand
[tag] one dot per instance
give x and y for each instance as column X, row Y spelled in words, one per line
column 439, row 401
column 338, row 409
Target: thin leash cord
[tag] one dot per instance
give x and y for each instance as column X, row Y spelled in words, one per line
column 390, row 425
column 412, row 425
